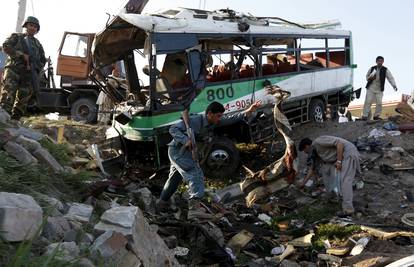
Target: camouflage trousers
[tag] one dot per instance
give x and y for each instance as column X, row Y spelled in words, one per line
column 16, row 92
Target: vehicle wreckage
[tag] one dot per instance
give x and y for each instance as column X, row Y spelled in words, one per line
column 187, row 57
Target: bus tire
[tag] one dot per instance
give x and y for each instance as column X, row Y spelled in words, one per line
column 316, row 110
column 84, row 109
column 222, row 160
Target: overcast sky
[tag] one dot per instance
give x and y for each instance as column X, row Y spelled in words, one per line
column 379, row 27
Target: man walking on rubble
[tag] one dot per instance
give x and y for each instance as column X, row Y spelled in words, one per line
column 338, row 161
column 183, row 165
column 375, row 88
column 25, row 59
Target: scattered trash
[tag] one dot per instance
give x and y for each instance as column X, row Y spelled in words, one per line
column 229, row 251
column 240, row 240
column 286, row 253
column 338, row 251
column 359, row 185
column 326, row 244
column 265, row 218
column 53, row 116
column 407, row 261
column 283, row 226
column 297, row 223
column 359, row 247
column 181, row 251
column 226, row 221
column 309, row 183
column 408, row 219
column 277, row 250
column 330, row 258
column 375, row 133
column 394, row 133
column 304, row 241
column 390, row 126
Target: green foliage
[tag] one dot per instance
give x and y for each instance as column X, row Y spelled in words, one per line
column 58, row 151
column 334, row 232
column 311, row 213
column 30, row 179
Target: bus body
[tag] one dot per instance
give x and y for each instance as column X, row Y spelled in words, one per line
column 194, row 57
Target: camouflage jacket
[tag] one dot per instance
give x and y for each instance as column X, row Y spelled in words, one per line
column 15, row 46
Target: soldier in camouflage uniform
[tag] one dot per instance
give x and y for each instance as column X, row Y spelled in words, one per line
column 24, row 55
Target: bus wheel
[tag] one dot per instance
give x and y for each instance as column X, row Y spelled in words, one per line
column 84, row 109
column 316, row 110
column 222, row 160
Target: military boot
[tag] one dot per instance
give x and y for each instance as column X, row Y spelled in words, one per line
column 197, row 212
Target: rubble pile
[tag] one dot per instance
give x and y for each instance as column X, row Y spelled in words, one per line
column 119, row 225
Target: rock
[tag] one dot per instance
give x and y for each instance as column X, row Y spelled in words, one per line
column 407, row 179
column 20, row 217
column 78, row 236
column 71, row 236
column 53, row 205
column 85, row 262
column 31, row 134
column 111, row 247
column 56, row 228
column 79, row 212
column 66, row 251
column 29, row 144
column 4, row 116
column 119, row 219
column 5, row 136
column 45, row 157
column 145, row 197
column 19, row 153
column 78, row 161
column 307, row 264
column 289, row 263
column 149, row 246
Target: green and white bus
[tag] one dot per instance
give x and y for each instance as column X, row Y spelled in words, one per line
column 182, row 57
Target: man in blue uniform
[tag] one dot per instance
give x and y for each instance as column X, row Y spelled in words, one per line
column 183, row 165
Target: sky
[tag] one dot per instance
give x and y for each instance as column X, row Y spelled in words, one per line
column 379, row 27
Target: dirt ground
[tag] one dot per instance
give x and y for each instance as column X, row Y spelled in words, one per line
column 381, row 202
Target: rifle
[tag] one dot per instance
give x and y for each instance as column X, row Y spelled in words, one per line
column 190, row 134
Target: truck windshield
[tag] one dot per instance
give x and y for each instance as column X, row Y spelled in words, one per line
column 75, row 46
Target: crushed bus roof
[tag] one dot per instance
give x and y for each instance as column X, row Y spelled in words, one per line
column 186, row 20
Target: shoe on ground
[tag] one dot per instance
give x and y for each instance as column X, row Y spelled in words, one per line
column 376, row 118
column 345, row 213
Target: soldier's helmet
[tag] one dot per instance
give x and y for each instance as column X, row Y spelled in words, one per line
column 31, row 19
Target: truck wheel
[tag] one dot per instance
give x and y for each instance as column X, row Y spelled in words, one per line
column 222, row 160
column 84, row 109
column 316, row 110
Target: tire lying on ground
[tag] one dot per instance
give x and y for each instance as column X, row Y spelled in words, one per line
column 84, row 109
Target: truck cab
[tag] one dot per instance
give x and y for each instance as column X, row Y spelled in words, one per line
column 77, row 94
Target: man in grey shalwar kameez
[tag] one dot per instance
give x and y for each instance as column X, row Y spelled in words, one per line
column 338, row 162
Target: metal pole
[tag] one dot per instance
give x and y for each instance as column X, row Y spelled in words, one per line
column 20, row 15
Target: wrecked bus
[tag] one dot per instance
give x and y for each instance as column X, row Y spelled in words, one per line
column 182, row 57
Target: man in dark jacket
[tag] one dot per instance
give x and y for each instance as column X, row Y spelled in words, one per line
column 375, row 88
column 25, row 60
